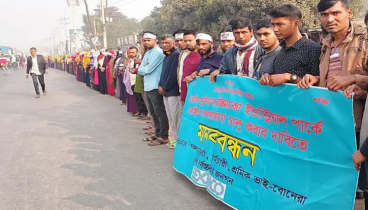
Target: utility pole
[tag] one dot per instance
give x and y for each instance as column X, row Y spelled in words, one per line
column 75, row 28
column 66, row 22
column 103, row 24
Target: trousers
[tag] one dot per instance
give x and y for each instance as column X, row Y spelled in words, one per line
column 41, row 79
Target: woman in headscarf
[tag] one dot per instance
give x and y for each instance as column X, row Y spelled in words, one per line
column 91, row 71
column 77, row 67
column 99, row 62
column 102, row 64
column 116, row 73
column 86, row 66
column 129, row 82
column 109, row 74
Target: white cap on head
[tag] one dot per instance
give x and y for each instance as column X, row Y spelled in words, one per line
column 149, row 36
column 179, row 36
column 227, row 36
column 204, row 36
column 103, row 50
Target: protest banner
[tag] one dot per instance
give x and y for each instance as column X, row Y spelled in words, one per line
column 259, row 147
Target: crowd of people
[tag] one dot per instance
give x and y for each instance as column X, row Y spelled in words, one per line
column 152, row 80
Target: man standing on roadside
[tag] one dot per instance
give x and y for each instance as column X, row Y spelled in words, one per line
column 36, row 66
column 168, row 86
column 151, row 69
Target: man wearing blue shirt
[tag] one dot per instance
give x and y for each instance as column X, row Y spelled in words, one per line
column 151, row 68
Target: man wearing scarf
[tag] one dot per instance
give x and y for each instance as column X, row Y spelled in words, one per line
column 242, row 58
column 168, row 86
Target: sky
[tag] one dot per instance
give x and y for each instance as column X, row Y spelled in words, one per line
column 30, row 23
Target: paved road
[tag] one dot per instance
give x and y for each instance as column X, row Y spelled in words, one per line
column 76, row 150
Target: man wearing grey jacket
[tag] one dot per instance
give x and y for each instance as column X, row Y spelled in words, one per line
column 36, row 66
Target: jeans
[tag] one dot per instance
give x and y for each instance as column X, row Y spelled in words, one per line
column 35, row 82
column 5, row 69
column 157, row 110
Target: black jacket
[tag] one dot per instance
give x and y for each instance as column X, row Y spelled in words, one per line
column 41, row 64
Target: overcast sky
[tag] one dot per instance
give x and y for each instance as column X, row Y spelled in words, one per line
column 27, row 23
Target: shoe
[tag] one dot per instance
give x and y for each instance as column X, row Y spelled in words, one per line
column 38, row 96
column 44, row 92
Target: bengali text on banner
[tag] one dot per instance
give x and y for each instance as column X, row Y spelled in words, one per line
column 258, row 147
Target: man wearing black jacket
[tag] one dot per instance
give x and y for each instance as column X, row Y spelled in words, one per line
column 169, row 87
column 36, row 66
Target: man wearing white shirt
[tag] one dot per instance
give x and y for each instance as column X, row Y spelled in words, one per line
column 36, row 66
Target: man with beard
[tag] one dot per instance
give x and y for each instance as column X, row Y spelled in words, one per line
column 151, row 68
column 190, row 63
column 268, row 41
column 227, row 40
column 242, row 58
column 210, row 60
column 169, row 88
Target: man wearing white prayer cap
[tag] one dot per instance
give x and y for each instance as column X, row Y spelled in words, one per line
column 210, row 60
column 179, row 39
column 151, row 68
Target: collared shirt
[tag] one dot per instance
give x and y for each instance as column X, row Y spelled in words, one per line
column 266, row 62
column 334, row 67
column 301, row 58
column 35, row 69
column 183, row 55
column 151, row 68
column 190, row 65
column 212, row 62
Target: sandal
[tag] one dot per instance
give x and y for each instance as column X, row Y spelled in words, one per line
column 158, row 142
column 150, row 139
column 172, row 144
column 150, row 133
column 146, row 118
column 135, row 115
column 147, row 128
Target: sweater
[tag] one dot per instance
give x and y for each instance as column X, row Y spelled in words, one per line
column 168, row 80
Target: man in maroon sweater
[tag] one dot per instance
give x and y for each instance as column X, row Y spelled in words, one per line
column 190, row 63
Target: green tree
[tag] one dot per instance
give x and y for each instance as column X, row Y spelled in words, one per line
column 212, row 16
column 120, row 25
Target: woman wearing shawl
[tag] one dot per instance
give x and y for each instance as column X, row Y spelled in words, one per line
column 129, row 82
column 91, row 70
column 109, row 74
column 77, row 70
column 99, row 62
column 102, row 74
column 123, row 93
column 86, row 67
column 116, row 73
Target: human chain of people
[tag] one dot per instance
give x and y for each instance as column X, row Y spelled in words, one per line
column 260, row 105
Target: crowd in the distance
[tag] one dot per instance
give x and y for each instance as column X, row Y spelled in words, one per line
column 153, row 79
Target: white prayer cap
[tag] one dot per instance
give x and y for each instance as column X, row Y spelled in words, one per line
column 149, row 36
column 227, row 36
column 204, row 36
column 103, row 50
column 179, row 36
